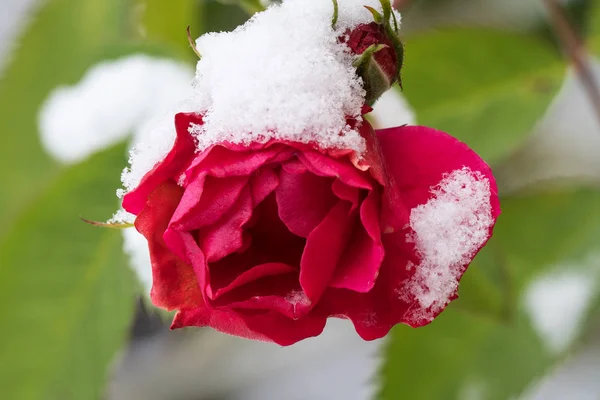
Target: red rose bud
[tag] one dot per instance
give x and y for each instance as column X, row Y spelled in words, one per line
column 380, row 53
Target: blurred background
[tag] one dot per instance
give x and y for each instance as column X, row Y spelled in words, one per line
column 80, row 82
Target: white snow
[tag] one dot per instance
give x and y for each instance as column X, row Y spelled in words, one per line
column 272, row 78
column 122, row 217
column 113, row 100
column 152, row 142
column 392, row 110
column 136, row 247
column 136, row 95
column 557, row 303
column 283, row 75
column 448, row 230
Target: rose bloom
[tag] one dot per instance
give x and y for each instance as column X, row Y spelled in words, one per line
column 267, row 241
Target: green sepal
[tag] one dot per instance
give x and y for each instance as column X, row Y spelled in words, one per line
column 375, row 81
column 386, row 6
column 377, row 17
column 334, row 18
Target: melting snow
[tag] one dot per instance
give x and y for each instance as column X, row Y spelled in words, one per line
column 282, row 75
column 448, row 230
column 113, row 100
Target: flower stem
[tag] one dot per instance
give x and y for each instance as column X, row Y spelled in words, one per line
column 576, row 51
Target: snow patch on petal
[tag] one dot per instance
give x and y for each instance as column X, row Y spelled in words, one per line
column 447, row 232
column 557, row 303
column 113, row 100
column 275, row 78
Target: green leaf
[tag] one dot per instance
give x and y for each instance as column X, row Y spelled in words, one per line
column 223, row 16
column 61, row 43
column 457, row 352
column 488, row 88
column 65, row 288
column 594, row 27
column 484, row 339
column 538, row 231
column 249, row 6
column 165, row 22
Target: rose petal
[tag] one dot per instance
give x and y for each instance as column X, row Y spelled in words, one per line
column 281, row 293
column 345, row 192
column 226, row 235
column 170, row 168
column 417, row 159
column 323, row 165
column 266, row 326
column 254, row 274
column 234, row 160
column 303, row 201
column 207, row 200
column 174, row 282
column 362, row 258
column 324, row 247
column 263, row 184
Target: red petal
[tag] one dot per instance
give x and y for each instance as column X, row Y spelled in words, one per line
column 174, row 282
column 170, row 168
column 324, row 247
column 226, row 235
column 345, row 192
column 303, row 201
column 227, row 159
column 417, row 159
column 267, row 326
column 206, row 200
column 324, row 165
column 254, row 274
column 360, row 264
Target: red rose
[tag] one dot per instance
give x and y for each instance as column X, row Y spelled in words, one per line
column 269, row 240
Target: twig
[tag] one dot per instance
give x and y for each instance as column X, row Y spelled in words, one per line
column 576, row 51
column 192, row 43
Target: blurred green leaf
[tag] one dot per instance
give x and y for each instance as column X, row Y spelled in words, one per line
column 166, row 21
column 460, row 353
column 478, row 344
column 537, row 231
column 61, row 42
column 594, row 27
column 488, row 88
column 249, row 6
column 65, row 288
column 222, row 17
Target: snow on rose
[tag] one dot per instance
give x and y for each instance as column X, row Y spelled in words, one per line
column 278, row 205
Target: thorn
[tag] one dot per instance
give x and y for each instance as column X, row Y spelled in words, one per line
column 192, row 43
